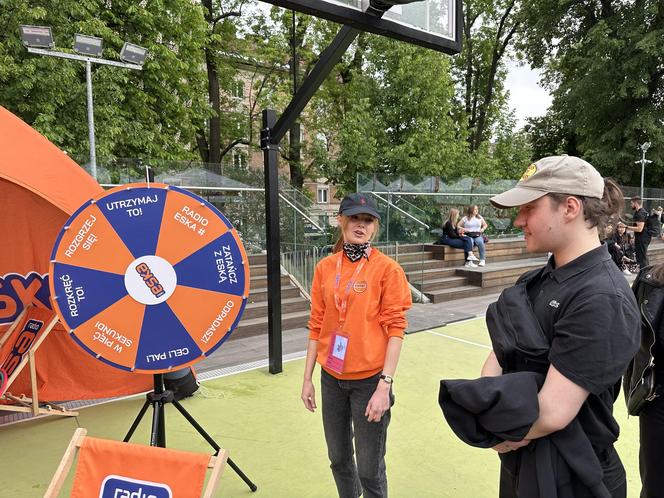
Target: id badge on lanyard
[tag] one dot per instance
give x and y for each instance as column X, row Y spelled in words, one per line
column 336, row 355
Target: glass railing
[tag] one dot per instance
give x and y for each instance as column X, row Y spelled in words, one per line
column 300, row 261
column 431, row 198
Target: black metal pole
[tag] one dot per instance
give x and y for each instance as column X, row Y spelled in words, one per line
column 272, row 239
column 271, row 134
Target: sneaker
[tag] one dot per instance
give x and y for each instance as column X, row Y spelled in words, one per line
column 627, row 272
column 471, row 257
column 470, row 264
column 481, row 263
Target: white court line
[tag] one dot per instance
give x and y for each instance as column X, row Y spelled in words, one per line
column 458, row 339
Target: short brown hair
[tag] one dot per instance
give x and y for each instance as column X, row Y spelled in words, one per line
column 598, row 212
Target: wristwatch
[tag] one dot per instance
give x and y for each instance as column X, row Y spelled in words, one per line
column 387, row 378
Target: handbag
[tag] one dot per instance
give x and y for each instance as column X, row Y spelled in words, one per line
column 486, row 239
column 643, row 392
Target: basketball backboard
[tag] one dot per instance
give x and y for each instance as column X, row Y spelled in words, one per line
column 435, row 24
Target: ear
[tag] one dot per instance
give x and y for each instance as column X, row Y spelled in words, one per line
column 573, row 208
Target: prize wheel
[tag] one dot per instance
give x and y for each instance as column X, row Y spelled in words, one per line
column 149, row 277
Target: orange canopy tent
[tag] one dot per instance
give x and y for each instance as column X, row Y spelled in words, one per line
column 40, row 187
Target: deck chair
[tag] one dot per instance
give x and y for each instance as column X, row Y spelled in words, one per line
column 18, row 347
column 118, row 469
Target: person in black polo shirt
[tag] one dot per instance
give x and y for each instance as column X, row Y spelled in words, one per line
column 642, row 236
column 583, row 304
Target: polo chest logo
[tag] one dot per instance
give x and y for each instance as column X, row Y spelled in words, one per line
column 360, row 286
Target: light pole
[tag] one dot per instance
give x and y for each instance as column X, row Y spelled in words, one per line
column 644, row 148
column 39, row 40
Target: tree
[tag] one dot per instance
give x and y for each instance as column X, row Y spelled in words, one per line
column 488, row 32
column 603, row 64
column 221, row 18
column 151, row 113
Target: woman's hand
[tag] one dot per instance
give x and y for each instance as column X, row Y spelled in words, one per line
column 507, row 446
column 309, row 395
column 379, row 402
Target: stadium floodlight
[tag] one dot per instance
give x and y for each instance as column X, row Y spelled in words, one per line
column 37, row 36
column 133, row 53
column 88, row 45
column 39, row 40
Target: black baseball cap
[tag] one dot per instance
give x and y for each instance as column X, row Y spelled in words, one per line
column 358, row 204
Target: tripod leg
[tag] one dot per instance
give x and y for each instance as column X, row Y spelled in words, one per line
column 137, row 421
column 212, row 442
column 158, row 435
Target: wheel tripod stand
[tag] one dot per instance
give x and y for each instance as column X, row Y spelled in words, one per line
column 157, row 399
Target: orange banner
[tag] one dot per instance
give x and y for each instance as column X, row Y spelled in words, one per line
column 40, row 187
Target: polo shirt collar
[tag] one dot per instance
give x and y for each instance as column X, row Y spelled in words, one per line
column 578, row 265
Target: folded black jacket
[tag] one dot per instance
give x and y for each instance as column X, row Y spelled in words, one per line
column 486, row 411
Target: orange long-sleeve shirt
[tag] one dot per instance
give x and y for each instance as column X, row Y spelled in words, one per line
column 377, row 307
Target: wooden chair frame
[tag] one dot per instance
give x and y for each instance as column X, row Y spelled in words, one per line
column 23, row 403
column 216, row 463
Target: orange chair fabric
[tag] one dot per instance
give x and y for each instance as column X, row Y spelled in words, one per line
column 114, row 469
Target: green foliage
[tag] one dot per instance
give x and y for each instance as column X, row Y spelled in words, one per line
column 603, row 62
column 388, row 107
column 148, row 113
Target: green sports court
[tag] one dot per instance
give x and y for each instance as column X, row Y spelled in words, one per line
column 260, row 419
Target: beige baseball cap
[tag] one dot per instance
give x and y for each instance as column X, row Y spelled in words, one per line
column 553, row 175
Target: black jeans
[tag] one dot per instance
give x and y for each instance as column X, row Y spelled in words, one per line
column 344, row 403
column 651, row 451
column 641, row 243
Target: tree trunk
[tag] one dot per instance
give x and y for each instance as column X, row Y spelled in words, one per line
column 498, row 51
column 294, row 159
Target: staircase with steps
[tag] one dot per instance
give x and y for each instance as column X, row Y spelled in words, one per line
column 294, row 307
column 439, row 273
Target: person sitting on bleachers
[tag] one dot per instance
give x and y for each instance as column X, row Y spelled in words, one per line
column 621, row 247
column 474, row 225
column 454, row 237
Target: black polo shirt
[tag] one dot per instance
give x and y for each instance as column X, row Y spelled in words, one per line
column 589, row 313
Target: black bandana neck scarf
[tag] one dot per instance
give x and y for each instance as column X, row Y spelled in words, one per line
column 355, row 251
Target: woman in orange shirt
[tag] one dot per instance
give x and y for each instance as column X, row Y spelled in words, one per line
column 359, row 299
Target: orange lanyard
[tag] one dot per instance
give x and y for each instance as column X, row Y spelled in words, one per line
column 342, row 303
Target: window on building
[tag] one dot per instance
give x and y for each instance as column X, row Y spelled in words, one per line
column 322, row 195
column 237, row 89
column 239, row 159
